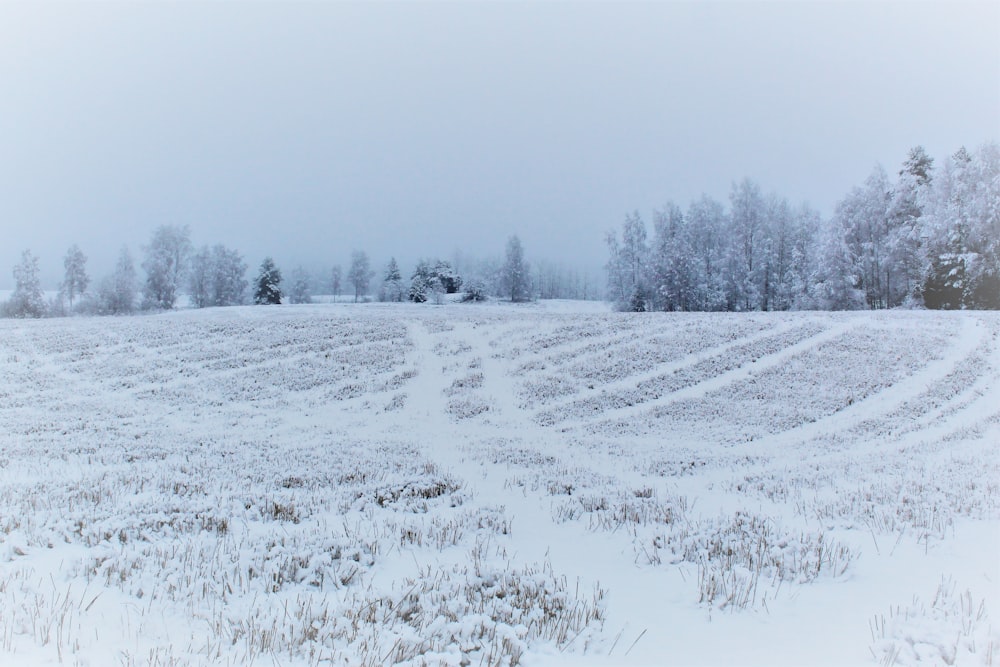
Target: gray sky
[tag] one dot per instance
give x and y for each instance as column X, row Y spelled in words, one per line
column 308, row 130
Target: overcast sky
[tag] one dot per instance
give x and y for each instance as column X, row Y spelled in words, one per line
column 308, row 130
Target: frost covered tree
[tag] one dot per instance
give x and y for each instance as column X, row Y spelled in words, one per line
column 432, row 279
column 423, row 283
column 300, row 291
column 904, row 240
column 28, row 300
column 672, row 262
column 392, row 283
column 862, row 218
column 117, row 293
column 217, row 277
column 360, row 274
column 446, row 274
column 628, row 265
column 75, row 280
column 706, row 225
column 267, row 286
column 200, row 278
column 229, row 283
column 746, row 266
column 837, row 284
column 475, row 290
column 166, row 260
column 961, row 227
column 515, row 277
column 928, row 238
column 336, row 277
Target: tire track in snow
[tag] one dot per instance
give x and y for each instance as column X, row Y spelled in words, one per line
column 976, row 405
column 705, row 387
column 789, row 442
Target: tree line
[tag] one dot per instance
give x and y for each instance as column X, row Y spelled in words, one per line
column 216, row 276
column 928, row 238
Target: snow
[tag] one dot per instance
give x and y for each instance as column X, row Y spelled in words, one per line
column 545, row 483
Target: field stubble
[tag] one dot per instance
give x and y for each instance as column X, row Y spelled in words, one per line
column 362, row 486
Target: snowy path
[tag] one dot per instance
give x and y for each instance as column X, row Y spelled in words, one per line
column 588, row 558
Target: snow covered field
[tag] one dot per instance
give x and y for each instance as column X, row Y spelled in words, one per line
column 487, row 484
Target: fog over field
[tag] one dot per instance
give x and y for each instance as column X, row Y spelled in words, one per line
column 305, row 131
column 545, row 483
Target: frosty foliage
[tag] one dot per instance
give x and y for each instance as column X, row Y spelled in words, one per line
column 392, row 283
column 300, row 291
column 927, row 238
column 27, row 299
column 76, row 280
column 165, row 263
column 118, row 293
column 431, row 280
column 515, row 276
column 267, row 285
column 217, row 277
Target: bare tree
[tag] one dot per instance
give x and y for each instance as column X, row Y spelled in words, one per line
column 360, row 274
column 335, row 281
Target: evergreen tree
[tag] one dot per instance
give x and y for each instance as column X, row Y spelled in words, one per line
column 904, row 251
column 422, row 282
column 961, row 227
column 76, row 279
column 267, row 286
column 450, row 281
column 515, row 276
column 392, row 283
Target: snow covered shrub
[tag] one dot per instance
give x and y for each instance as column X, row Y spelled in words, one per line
column 736, row 554
column 954, row 629
column 475, row 290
